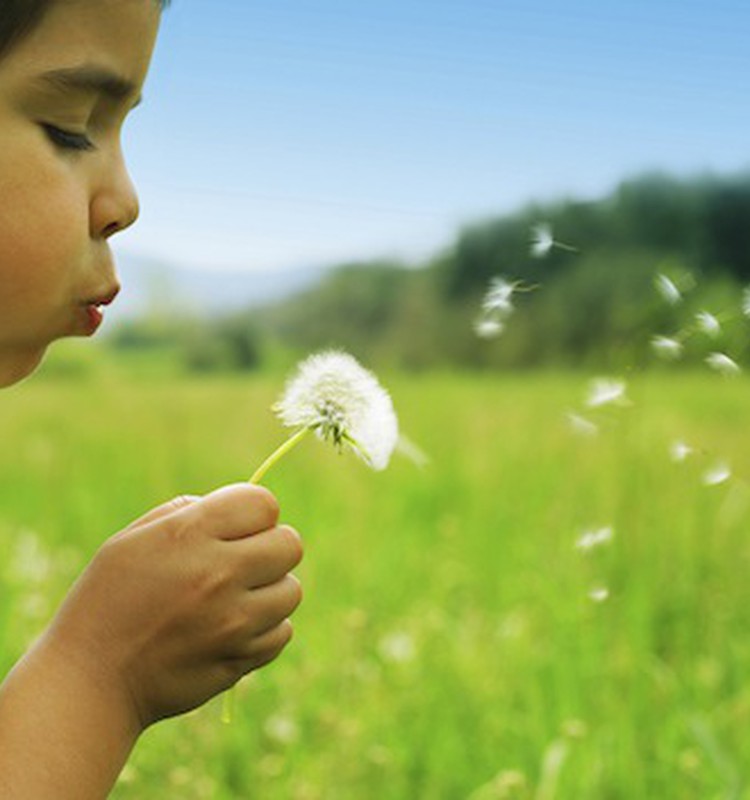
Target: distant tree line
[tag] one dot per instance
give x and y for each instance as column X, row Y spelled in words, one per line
column 594, row 306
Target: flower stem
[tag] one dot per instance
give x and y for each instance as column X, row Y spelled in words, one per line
column 291, row 442
column 227, row 707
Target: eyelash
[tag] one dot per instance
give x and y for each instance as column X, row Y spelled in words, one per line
column 67, row 140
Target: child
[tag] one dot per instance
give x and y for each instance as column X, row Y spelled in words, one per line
column 195, row 594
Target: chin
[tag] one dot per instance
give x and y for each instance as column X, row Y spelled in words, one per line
column 17, row 367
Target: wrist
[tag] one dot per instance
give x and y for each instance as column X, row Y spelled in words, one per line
column 66, row 729
column 99, row 676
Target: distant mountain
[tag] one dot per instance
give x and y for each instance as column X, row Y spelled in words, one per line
column 150, row 286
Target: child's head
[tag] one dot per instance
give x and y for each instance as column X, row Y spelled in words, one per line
column 70, row 71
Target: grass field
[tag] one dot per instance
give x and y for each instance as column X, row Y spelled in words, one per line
column 448, row 645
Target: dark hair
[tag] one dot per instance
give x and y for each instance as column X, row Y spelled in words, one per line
column 19, row 17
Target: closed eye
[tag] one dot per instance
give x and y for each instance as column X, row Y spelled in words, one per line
column 68, row 140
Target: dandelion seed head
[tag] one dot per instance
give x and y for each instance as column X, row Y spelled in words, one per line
column 666, row 347
column 722, row 363
column 332, row 394
column 542, row 239
column 708, row 323
column 667, row 289
column 719, row 473
column 604, row 391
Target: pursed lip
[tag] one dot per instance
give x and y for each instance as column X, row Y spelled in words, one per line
column 92, row 314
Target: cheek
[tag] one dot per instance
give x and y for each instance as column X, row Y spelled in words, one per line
column 43, row 236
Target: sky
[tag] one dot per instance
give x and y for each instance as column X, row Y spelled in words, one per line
column 284, row 134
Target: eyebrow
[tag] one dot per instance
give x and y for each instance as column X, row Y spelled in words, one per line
column 91, row 78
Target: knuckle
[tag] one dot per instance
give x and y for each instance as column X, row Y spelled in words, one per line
column 294, row 587
column 278, row 638
column 286, row 633
column 183, row 501
column 236, row 623
column 269, row 646
column 266, row 504
column 292, row 543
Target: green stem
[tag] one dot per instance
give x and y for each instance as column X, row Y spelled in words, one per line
column 227, row 707
column 291, row 442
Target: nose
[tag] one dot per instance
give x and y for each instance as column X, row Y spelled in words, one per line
column 114, row 203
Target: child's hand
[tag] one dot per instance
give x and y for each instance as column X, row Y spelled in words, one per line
column 185, row 601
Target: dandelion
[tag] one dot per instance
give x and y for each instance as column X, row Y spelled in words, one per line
column 594, row 538
column 679, row 451
column 605, row 391
column 667, row 289
column 666, row 347
column 335, row 397
column 708, row 323
column 722, row 363
column 488, row 327
column 342, row 402
column 542, row 241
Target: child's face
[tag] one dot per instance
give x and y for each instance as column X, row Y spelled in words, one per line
column 65, row 91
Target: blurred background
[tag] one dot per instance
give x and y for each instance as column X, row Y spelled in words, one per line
column 322, row 173
column 548, row 600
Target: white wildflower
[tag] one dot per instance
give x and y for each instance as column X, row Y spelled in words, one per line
column 666, row 347
column 594, row 538
column 333, row 395
column 603, row 391
column 498, row 296
column 667, row 289
column 722, row 363
column 717, row 474
column 679, row 451
column 708, row 323
column 488, row 327
column 599, row 594
column 581, row 425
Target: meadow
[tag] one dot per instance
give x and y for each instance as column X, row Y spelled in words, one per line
column 454, row 642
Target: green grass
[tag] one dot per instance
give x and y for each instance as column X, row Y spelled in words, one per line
column 447, row 646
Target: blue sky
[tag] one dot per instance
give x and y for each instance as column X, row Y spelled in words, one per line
column 286, row 133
